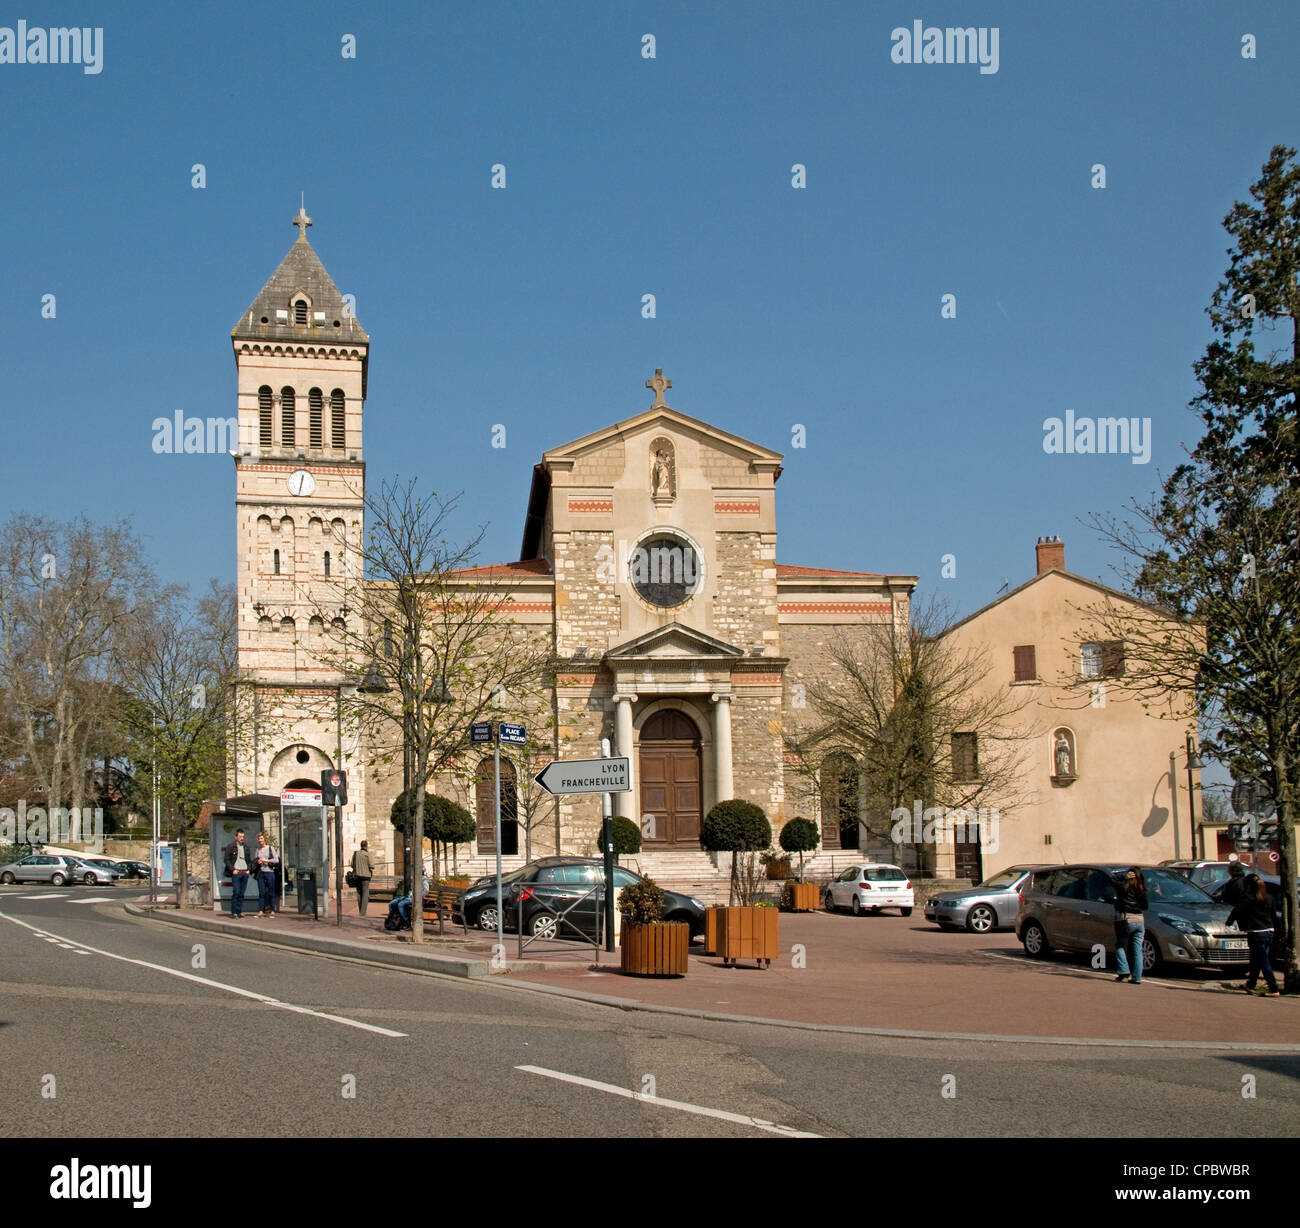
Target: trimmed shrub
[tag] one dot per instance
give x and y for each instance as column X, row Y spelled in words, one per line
column 735, row 826
column 641, row 903
column 626, row 836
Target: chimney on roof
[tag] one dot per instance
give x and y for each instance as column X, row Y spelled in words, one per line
column 1051, row 554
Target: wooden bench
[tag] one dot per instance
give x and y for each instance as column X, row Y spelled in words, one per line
column 439, row 903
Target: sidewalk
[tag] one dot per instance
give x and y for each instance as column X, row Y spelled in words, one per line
column 885, row 972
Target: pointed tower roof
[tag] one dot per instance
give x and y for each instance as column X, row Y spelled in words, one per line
column 271, row 315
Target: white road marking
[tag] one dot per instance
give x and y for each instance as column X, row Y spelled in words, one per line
column 97, row 899
column 45, row 895
column 202, row 980
column 699, row 1110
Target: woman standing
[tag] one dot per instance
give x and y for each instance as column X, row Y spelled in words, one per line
column 1253, row 913
column 1130, row 924
column 267, row 864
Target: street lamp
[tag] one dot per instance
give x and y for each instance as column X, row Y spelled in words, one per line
column 1193, row 764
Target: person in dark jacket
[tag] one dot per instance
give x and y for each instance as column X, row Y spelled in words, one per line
column 1232, row 889
column 239, row 865
column 1130, row 924
column 1253, row 914
column 363, row 872
column 268, row 860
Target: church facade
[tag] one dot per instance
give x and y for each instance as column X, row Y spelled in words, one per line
column 648, row 565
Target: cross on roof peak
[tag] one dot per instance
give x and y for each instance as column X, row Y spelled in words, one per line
column 658, row 383
column 302, row 221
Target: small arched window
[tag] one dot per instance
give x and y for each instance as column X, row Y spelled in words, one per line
column 338, row 427
column 338, row 625
column 277, row 562
column 286, row 623
column 300, row 311
column 316, row 419
column 327, row 562
column 316, row 625
column 265, row 432
column 286, row 417
column 264, row 623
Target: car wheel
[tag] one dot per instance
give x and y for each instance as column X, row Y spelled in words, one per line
column 544, row 926
column 90, row 880
column 7, row 878
column 829, row 901
column 487, row 917
column 857, row 907
column 57, row 880
column 1034, row 938
column 906, row 912
column 1150, row 956
column 981, row 919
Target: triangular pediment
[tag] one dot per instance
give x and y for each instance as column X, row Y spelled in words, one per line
column 676, row 641
column 663, row 417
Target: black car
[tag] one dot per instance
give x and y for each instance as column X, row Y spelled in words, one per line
column 135, row 869
column 547, row 887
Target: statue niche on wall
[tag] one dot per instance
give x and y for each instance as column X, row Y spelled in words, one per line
column 663, row 471
column 1064, row 762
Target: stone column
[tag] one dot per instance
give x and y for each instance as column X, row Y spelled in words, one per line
column 724, row 783
column 626, row 804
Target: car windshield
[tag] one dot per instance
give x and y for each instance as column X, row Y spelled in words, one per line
column 1166, row 888
column 1005, row 879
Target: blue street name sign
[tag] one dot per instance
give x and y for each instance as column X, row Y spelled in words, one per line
column 481, row 732
column 513, row 733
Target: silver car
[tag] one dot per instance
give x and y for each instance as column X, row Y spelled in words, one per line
column 96, row 870
column 42, row 868
column 990, row 906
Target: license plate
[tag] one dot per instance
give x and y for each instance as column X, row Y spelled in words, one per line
column 1231, row 944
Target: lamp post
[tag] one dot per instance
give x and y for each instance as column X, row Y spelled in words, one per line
column 1193, row 763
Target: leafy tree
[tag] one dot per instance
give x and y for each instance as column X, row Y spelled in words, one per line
column 1218, row 547
column 626, row 836
column 800, row 836
column 737, row 827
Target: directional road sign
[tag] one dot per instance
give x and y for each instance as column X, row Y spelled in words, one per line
column 513, row 733
column 586, row 776
column 481, row 732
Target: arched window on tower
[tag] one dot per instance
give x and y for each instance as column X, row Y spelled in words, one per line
column 300, row 311
column 338, row 426
column 265, row 432
column 316, row 432
column 286, row 417
column 276, row 560
column 327, row 562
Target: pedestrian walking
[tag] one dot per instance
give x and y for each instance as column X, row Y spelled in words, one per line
column 1130, row 924
column 268, row 862
column 239, row 865
column 1232, row 888
column 362, row 873
column 1253, row 913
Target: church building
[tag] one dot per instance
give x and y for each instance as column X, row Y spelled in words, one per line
column 649, row 562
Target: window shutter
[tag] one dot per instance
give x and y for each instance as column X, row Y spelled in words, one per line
column 1026, row 663
column 286, row 417
column 265, row 432
column 338, row 432
column 316, row 427
column 1112, row 658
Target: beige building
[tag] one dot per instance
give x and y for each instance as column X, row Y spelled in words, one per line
column 648, row 563
column 1098, row 782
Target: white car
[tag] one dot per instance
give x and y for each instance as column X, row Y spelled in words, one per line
column 868, row 887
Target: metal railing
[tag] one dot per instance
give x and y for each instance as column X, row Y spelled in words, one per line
column 562, row 918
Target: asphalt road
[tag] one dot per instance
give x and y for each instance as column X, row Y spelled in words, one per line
column 262, row 1043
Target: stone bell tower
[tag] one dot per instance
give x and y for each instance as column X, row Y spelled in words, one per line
column 301, row 357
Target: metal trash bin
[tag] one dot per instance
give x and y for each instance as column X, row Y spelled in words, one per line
column 305, row 881
column 200, row 894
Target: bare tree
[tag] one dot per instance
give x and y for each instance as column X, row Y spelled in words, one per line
column 893, row 700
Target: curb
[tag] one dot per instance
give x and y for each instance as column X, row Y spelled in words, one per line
column 464, row 967
column 479, row 970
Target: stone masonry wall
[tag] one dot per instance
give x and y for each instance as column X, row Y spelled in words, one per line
column 744, row 609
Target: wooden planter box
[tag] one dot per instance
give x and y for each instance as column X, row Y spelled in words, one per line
column 779, row 870
column 711, row 927
column 804, row 897
column 655, row 950
column 747, row 933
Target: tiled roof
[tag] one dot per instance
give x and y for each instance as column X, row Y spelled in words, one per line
column 530, row 567
column 301, row 269
column 794, row 571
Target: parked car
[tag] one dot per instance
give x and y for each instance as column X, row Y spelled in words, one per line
column 869, row 887
column 41, row 868
column 134, row 869
column 549, row 886
column 1205, row 874
column 990, row 906
column 1071, row 908
column 96, row 870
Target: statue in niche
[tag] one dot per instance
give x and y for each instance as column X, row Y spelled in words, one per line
column 1063, row 755
column 662, row 476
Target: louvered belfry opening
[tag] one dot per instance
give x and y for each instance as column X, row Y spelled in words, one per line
column 316, row 422
column 286, row 417
column 265, row 431
column 338, row 425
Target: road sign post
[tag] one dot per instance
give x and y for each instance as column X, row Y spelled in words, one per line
column 497, row 732
column 606, row 776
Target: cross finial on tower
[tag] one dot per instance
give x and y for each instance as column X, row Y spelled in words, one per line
column 302, row 221
column 658, row 383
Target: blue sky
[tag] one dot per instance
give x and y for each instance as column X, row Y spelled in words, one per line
column 625, row 177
